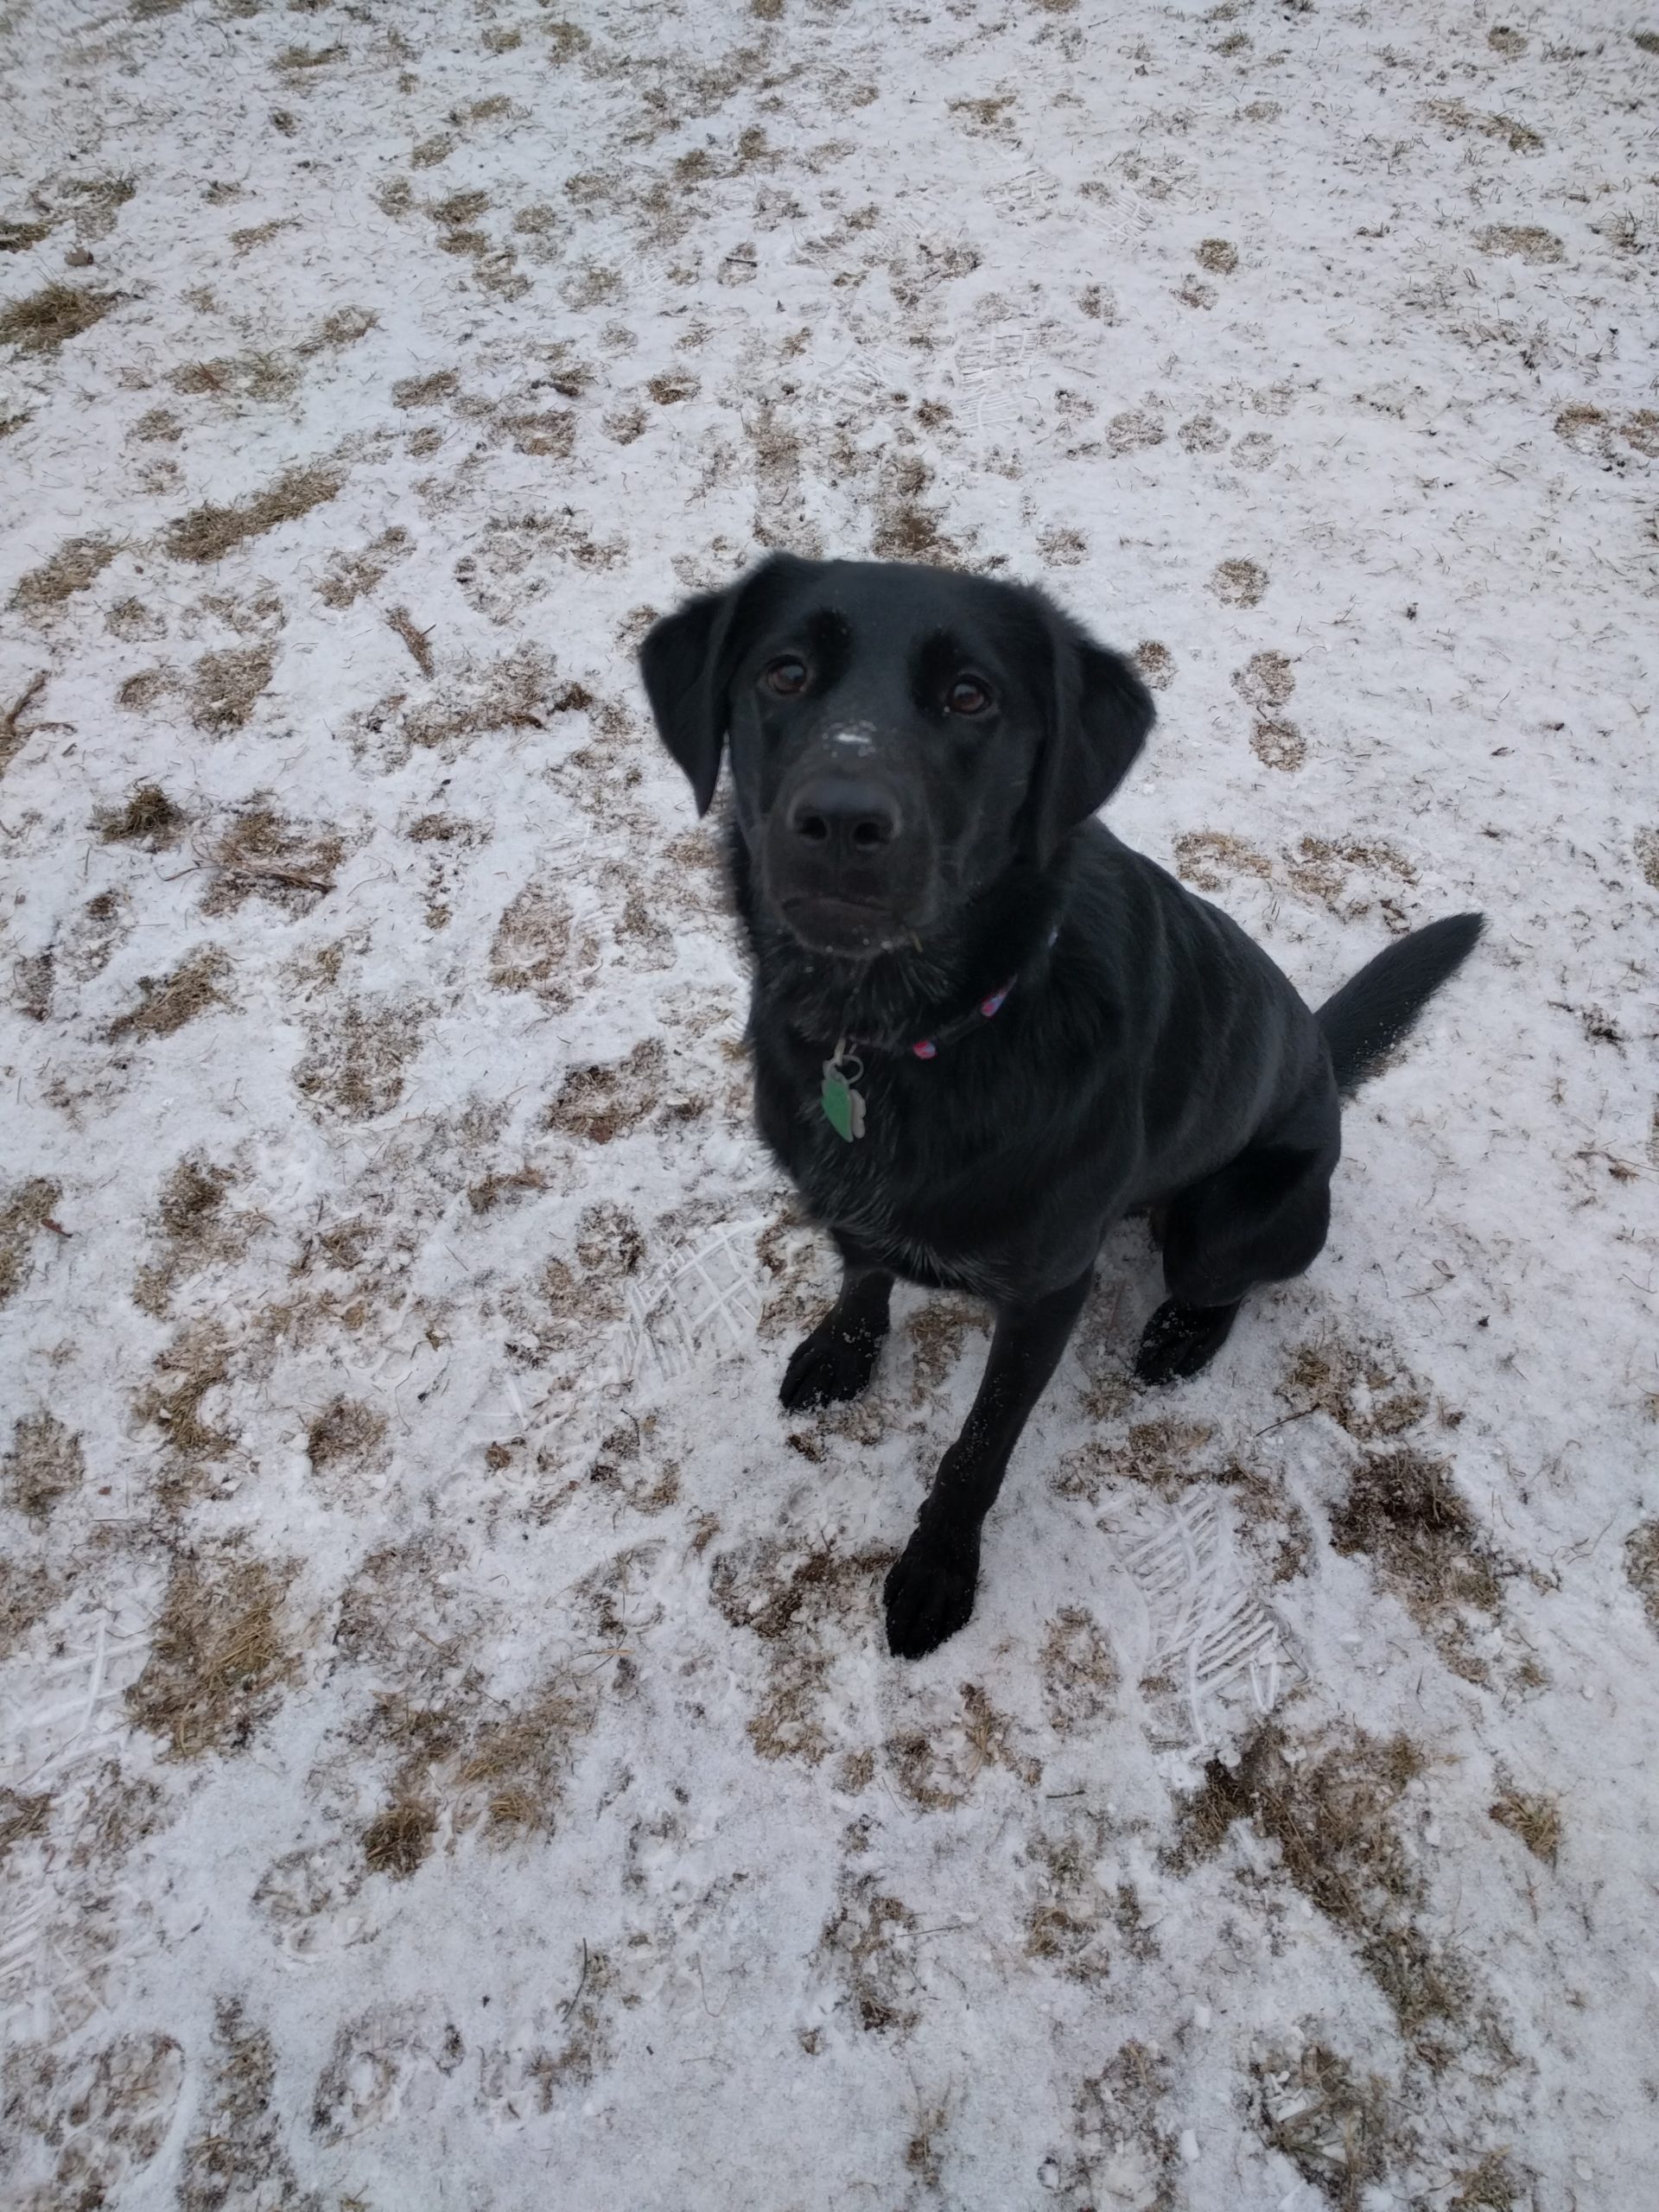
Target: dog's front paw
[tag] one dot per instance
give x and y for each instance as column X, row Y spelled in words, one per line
column 831, row 1365
column 929, row 1592
column 1180, row 1340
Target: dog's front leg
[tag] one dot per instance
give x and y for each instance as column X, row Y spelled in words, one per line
column 838, row 1359
column 929, row 1587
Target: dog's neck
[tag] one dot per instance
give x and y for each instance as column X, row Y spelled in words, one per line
column 904, row 994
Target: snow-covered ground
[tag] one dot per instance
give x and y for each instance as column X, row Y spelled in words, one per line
column 450, row 1755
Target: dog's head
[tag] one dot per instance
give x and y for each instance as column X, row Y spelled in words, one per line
column 899, row 735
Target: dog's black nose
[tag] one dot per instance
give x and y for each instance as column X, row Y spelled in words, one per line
column 848, row 811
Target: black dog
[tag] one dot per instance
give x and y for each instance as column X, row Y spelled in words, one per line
column 984, row 1030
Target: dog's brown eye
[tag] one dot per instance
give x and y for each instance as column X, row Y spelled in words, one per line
column 967, row 695
column 786, row 677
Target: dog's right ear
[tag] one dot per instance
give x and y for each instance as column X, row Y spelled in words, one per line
column 686, row 660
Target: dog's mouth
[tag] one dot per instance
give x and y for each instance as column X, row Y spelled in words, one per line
column 858, row 927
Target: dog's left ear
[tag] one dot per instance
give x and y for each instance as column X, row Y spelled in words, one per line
column 1101, row 714
column 686, row 660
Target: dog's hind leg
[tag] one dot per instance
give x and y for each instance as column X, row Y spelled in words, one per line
column 929, row 1587
column 1261, row 1218
column 837, row 1360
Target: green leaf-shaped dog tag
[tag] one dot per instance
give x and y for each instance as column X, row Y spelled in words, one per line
column 843, row 1109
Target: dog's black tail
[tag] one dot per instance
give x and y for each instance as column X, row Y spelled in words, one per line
column 1371, row 1013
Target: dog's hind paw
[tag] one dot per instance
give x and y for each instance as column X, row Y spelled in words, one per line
column 929, row 1592
column 829, row 1366
column 1181, row 1339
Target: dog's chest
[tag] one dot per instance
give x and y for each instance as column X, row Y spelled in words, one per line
column 897, row 1188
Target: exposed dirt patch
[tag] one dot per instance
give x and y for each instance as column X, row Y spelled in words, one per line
column 168, row 1002
column 1156, row 663
column 1277, row 743
column 194, row 1364
column 398, row 1839
column 22, row 1814
column 531, row 949
column 1133, row 431
column 219, row 1662
column 345, row 1438
column 1219, row 256
column 1458, row 116
column 937, row 1332
column 28, row 1593
column 1068, row 1926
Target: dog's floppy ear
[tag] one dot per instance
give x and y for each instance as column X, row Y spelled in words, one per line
column 1101, row 712
column 686, row 660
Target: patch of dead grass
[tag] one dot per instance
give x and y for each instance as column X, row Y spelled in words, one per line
column 345, row 1431
column 195, row 1363
column 398, row 1839
column 195, row 1232
column 1330, row 1805
column 22, row 1814
column 1331, row 2123
column 350, row 575
column 226, row 685
column 1425, row 1546
column 865, row 1944
column 75, row 564
column 1523, row 242
column 1239, row 583
column 602, row 1102
column 354, row 1064
column 207, row 533
column 261, row 377
column 28, row 1593
column 167, row 1003
column 1458, row 116
column 149, row 818
column 24, row 1211
column 44, row 1466
column 1080, row 1675
column 48, row 318
column 1641, row 1546
column 219, row 1661
column 1535, row 1816
column 262, row 854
